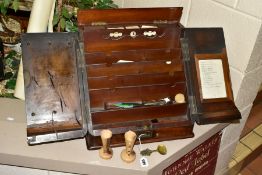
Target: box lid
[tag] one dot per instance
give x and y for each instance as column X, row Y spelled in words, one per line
column 54, row 86
column 129, row 16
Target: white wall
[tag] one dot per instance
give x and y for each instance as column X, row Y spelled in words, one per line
column 157, row 3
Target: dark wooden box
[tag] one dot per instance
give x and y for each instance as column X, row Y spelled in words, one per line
column 122, row 72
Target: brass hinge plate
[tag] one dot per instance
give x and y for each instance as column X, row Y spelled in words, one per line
column 99, row 23
column 160, row 21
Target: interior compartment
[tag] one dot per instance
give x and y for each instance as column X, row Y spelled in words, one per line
column 139, row 73
column 134, row 71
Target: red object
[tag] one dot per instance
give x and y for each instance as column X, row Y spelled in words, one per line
column 200, row 161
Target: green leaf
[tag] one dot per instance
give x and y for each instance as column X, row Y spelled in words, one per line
column 15, row 75
column 65, row 13
column 105, row 4
column 3, row 9
column 7, row 95
column 11, row 54
column 74, row 29
column 15, row 64
column 85, row 4
column 113, row 6
column 8, row 75
column 7, row 3
column 63, row 23
column 80, row 5
column 15, row 5
column 71, row 26
column 55, row 19
column 10, row 84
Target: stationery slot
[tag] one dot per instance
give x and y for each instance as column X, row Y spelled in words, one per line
column 99, row 98
column 134, row 55
column 119, row 81
column 133, row 68
column 152, row 112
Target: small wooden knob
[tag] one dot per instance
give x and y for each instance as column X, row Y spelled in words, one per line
column 106, row 152
column 128, row 154
column 180, row 98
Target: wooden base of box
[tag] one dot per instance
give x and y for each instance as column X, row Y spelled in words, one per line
column 161, row 134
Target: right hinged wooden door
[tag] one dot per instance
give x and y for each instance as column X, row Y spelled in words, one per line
column 210, row 94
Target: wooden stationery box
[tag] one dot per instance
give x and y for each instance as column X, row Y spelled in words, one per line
column 122, row 71
column 135, row 59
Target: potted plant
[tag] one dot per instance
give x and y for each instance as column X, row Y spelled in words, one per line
column 65, row 16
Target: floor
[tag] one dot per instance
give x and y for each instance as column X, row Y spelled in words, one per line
column 253, row 168
column 255, row 119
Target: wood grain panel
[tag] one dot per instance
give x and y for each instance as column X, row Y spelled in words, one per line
column 129, row 15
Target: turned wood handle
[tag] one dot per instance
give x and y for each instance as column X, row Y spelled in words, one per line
column 130, row 138
column 105, row 137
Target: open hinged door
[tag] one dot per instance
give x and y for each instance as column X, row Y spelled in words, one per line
column 207, row 72
column 54, row 87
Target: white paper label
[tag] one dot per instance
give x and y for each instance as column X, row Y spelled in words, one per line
column 144, row 162
column 212, row 79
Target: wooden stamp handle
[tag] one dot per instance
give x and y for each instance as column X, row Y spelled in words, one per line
column 106, row 152
column 128, row 155
column 130, row 138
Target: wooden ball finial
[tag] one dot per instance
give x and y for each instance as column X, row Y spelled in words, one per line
column 180, row 98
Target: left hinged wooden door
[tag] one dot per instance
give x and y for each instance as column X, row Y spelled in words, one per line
column 54, row 87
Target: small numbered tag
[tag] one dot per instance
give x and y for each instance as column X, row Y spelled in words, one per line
column 144, row 162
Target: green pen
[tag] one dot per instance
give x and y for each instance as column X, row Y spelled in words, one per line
column 127, row 105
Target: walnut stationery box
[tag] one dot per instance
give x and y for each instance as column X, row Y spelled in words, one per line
column 126, row 69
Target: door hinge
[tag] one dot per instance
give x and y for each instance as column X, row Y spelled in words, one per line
column 160, row 21
column 98, row 23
